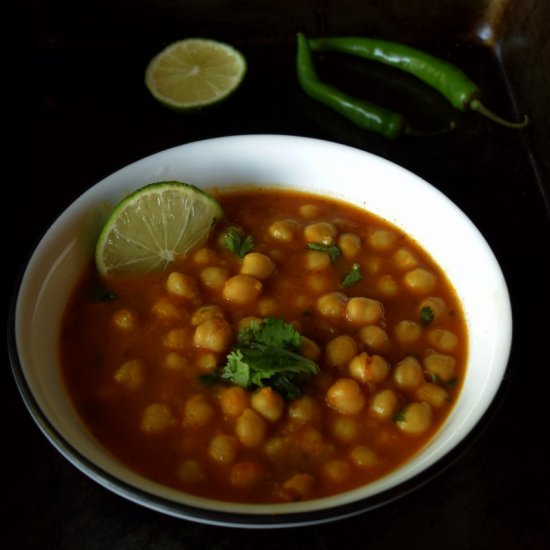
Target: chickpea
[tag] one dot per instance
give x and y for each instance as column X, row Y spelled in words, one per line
column 364, row 310
column 433, row 394
column 440, row 365
column 336, row 470
column 283, row 230
column 310, row 349
column 377, row 369
column 303, row 302
column 404, row 259
column 156, row 418
column 346, row 396
column 340, row 350
column 316, row 260
column 320, row 232
column 305, row 410
column 420, row 280
column 268, row 307
column 233, row 401
column 388, row 286
column 332, row 305
column 363, row 456
column 268, row 403
column 365, row 368
column 358, row 367
column 383, row 404
column 131, row 374
column 373, row 264
column 415, row 418
column 407, row 332
column 442, row 339
column 182, row 285
column 275, row 448
column 251, row 428
column 246, row 322
column 214, row 277
column 408, row 373
column 345, row 429
column 165, row 310
column 206, row 361
column 374, row 337
column 242, row 289
column 382, row 239
column 246, row 475
column 205, row 256
column 190, row 471
column 257, row 265
column 309, row 211
column 197, row 412
column 311, row 441
column 300, row 486
column 350, row 245
column 178, row 339
column 125, row 320
column 318, row 282
column 206, row 313
column 213, row 334
column 175, row 361
column 223, row 449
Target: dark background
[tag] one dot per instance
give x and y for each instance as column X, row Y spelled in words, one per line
column 80, row 111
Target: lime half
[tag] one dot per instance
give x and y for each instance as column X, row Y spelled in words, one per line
column 149, row 228
column 195, row 72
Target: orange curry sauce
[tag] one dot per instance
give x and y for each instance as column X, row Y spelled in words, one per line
column 388, row 375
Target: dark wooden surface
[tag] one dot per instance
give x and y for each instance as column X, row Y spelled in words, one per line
column 81, row 111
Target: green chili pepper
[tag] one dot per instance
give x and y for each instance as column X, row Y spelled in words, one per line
column 363, row 113
column 451, row 82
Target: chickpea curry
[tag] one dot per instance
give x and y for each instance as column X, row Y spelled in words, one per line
column 307, row 348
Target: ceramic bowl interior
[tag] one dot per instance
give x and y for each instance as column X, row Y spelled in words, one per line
column 275, row 161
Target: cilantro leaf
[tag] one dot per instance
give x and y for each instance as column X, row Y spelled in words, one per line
column 452, row 383
column 266, row 354
column 286, row 386
column 236, row 369
column 272, row 332
column 235, row 241
column 431, row 377
column 98, row 293
column 332, row 250
column 426, row 315
column 353, row 276
column 399, row 416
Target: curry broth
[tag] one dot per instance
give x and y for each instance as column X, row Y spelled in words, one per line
column 294, row 459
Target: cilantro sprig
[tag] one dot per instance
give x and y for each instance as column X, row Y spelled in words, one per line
column 426, row 315
column 352, row 276
column 100, row 293
column 267, row 354
column 333, row 250
column 235, row 240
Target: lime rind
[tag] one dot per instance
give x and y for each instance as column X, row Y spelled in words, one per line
column 152, row 226
column 222, row 78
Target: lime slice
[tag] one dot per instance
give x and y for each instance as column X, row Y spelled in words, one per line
column 150, row 227
column 195, row 72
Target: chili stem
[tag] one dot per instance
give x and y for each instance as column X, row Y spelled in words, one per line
column 476, row 105
column 448, row 80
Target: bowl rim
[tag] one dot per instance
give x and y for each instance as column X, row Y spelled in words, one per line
column 210, row 516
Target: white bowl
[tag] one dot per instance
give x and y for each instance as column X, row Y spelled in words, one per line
column 270, row 160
